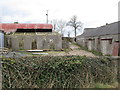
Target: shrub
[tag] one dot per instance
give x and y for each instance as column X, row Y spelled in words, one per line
column 56, row 72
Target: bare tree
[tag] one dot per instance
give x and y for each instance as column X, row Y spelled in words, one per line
column 77, row 25
column 59, row 25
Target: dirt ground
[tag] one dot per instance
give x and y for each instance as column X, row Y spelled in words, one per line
column 75, row 51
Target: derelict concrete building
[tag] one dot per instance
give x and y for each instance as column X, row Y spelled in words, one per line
column 31, row 36
column 104, row 39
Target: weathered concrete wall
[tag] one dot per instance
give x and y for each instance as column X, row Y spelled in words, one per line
column 106, row 47
column 98, row 44
column 115, row 37
column 35, row 41
column 40, row 42
column 15, row 44
column 81, row 41
column 65, row 42
column 89, row 45
column 73, row 40
column 27, row 42
column 58, row 41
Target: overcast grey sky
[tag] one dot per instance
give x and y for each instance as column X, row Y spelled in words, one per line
column 92, row 13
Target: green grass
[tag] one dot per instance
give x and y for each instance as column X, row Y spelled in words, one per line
column 100, row 85
column 96, row 52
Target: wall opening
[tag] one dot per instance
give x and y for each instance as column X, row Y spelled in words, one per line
column 8, row 43
column 75, row 39
column 33, row 30
column 34, row 44
column 21, row 44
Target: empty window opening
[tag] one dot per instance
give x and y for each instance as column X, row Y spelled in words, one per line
column 34, row 44
column 21, row 44
column 34, row 30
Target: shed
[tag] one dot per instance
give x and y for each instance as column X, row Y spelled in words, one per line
column 1, row 39
column 106, row 39
column 31, row 36
column 8, row 27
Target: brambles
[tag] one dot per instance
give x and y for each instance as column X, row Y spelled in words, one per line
column 56, row 72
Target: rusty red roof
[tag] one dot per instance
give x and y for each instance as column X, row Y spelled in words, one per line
column 13, row 27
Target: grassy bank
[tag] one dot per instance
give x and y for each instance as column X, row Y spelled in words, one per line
column 86, row 49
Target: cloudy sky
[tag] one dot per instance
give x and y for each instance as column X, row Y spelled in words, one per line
column 92, row 13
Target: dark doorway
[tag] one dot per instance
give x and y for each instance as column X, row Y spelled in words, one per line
column 75, row 39
column 21, row 44
column 34, row 44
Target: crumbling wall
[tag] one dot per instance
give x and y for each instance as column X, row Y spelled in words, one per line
column 15, row 44
column 89, row 45
column 103, row 44
column 65, row 42
column 106, row 47
column 35, row 41
column 40, row 42
column 97, row 45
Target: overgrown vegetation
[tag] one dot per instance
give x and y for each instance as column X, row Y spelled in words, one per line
column 56, row 72
column 100, row 85
column 92, row 51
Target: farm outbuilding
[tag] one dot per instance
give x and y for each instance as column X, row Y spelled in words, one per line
column 31, row 36
column 26, row 27
column 103, row 39
column 1, row 39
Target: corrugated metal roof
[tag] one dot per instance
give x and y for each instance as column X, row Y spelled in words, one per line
column 109, row 29
column 14, row 27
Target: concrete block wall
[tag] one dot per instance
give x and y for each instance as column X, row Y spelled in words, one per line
column 81, row 41
column 97, row 44
column 40, row 41
column 15, row 44
column 27, row 42
column 58, row 41
column 65, row 42
column 89, row 45
column 105, row 46
column 43, row 41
